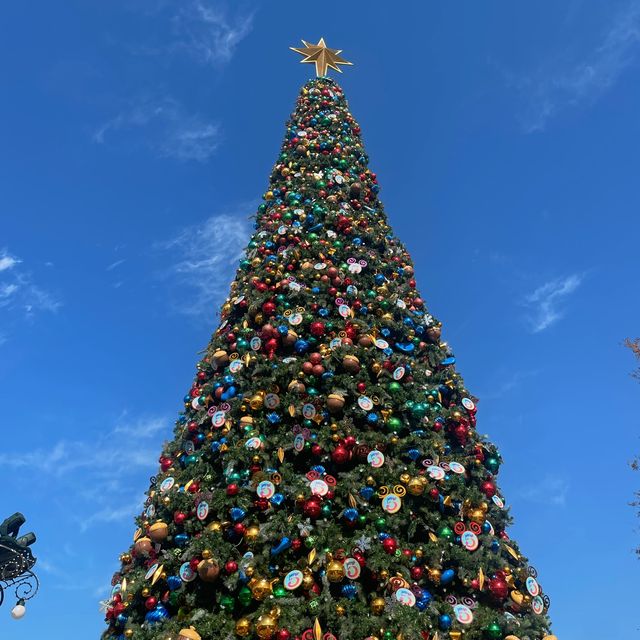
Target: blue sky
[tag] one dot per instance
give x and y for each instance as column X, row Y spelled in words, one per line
column 136, row 139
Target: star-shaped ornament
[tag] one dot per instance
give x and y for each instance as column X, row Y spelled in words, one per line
column 323, row 57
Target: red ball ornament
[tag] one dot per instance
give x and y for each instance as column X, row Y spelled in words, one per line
column 165, row 464
column 296, row 544
column 193, row 563
column 230, row 566
column 151, row 602
column 434, row 494
column 240, row 528
column 340, row 454
column 389, row 545
column 417, row 573
column 315, row 358
column 179, row 517
column 317, row 329
column 312, row 507
column 488, row 488
column 268, row 308
column 350, row 442
column 283, row 634
column 499, row 588
column 316, row 450
column 232, row 489
column 361, row 387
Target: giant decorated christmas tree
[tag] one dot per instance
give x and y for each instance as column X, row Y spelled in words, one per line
column 326, row 480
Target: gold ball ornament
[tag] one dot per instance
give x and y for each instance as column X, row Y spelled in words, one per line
column 335, row 571
column 189, row 634
column 266, row 626
column 214, row 526
column 260, row 588
column 252, row 533
column 145, row 592
column 159, row 531
column 128, row 633
column 206, row 554
column 340, row 610
column 377, row 606
column 243, row 627
column 416, row 487
column 512, row 638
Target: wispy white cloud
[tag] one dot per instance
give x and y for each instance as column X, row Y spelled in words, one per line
column 7, row 261
column 545, row 303
column 549, row 489
column 563, row 82
column 164, row 126
column 116, row 264
column 20, row 296
column 209, row 257
column 208, row 32
column 107, row 464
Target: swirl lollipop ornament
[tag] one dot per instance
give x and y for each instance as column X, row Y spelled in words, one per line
column 16, row 562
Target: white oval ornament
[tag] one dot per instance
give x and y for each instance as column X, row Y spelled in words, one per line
column 152, row 569
column 405, row 597
column 253, row 443
column 203, row 510
column 266, row 489
column 401, row 303
column 532, row 586
column 255, row 343
column 151, row 511
column 186, row 573
column 335, row 343
column 437, row 473
column 381, row 344
column 398, row 374
column 468, row 404
column 271, row 401
column 295, row 319
column 537, row 606
column 463, row 614
column 218, row 419
column 456, row 467
column 116, row 590
column 391, row 503
column 298, row 443
column 308, row 411
column 189, row 447
column 319, row 266
column 365, row 403
column 344, row 310
column 282, row 230
column 352, row 568
column 293, row 580
column 167, row 484
column 235, row 366
column 319, row 487
column 469, row 540
column 375, row 458
column 497, row 500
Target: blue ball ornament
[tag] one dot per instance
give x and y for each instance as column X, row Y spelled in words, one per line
column 445, row 622
column 174, row 583
column 447, row 576
column 181, row 539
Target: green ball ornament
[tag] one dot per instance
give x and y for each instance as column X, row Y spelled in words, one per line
column 310, row 542
column 245, row 597
column 394, row 386
column 493, row 631
column 279, row 591
column 338, row 244
column 226, row 602
column 388, row 635
column 394, row 422
column 380, row 524
column 445, row 532
column 362, row 519
column 371, row 294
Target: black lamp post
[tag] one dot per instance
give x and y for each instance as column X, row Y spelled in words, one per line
column 16, row 562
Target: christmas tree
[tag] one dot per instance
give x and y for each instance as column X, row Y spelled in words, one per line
column 326, row 479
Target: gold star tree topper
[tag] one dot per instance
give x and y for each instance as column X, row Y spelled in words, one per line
column 323, row 57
